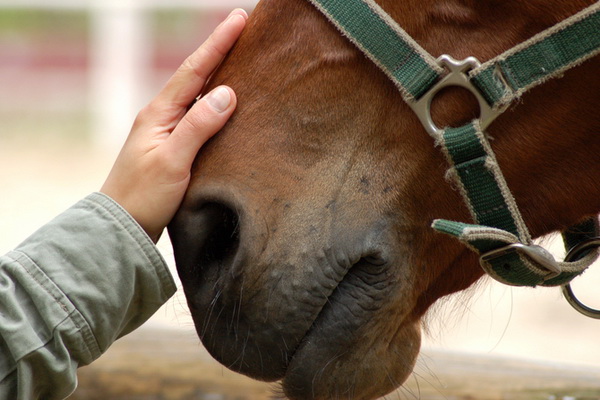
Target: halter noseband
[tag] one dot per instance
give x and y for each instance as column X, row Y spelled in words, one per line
column 499, row 235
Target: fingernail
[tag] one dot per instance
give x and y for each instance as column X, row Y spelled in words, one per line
column 219, row 99
column 241, row 12
column 238, row 11
column 235, row 14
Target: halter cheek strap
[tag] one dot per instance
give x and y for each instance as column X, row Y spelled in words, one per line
column 499, row 233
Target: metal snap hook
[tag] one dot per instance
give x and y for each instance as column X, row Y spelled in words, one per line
column 567, row 291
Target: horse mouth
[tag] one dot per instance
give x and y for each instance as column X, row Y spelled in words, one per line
column 326, row 359
column 344, row 310
column 341, row 355
column 319, row 323
column 334, row 357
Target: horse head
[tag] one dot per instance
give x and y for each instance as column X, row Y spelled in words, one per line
column 304, row 242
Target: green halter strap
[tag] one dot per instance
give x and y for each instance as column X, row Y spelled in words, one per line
column 544, row 56
column 499, row 234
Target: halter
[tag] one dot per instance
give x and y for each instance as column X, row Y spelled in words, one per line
column 499, row 234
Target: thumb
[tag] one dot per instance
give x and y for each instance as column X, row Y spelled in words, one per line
column 206, row 117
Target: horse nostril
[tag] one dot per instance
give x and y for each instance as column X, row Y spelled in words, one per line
column 207, row 236
column 221, row 236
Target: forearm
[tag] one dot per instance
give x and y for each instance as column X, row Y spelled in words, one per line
column 80, row 282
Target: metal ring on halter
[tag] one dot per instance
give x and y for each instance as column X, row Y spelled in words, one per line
column 567, row 291
column 457, row 76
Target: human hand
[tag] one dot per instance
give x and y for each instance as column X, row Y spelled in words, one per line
column 152, row 171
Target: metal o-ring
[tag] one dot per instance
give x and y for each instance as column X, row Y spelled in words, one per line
column 567, row 291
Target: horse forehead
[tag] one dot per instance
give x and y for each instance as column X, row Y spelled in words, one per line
column 440, row 26
column 453, row 11
column 471, row 12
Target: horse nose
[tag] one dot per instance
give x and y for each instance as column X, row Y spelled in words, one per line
column 221, row 235
column 267, row 286
column 213, row 238
column 215, row 226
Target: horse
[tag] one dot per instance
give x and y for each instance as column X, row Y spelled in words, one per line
column 304, row 243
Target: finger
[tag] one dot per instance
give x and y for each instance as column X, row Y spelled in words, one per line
column 203, row 120
column 187, row 82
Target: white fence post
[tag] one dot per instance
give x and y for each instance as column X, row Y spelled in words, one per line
column 120, row 55
column 120, row 61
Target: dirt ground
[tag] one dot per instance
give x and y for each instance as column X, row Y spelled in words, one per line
column 492, row 342
column 155, row 364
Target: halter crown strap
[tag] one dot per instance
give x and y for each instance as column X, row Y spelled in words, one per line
column 499, row 234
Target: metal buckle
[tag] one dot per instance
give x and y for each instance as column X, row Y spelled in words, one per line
column 567, row 291
column 457, row 76
column 537, row 254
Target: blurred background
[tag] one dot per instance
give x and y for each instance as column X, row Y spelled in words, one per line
column 73, row 75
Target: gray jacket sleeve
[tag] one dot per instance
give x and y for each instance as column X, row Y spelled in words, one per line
column 69, row 291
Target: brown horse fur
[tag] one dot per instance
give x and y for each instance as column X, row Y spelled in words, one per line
column 304, row 242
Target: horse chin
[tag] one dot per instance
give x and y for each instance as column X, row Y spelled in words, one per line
column 362, row 345
column 367, row 369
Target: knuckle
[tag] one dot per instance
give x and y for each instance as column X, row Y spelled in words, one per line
column 202, row 113
column 192, row 64
column 188, row 64
column 200, row 123
column 214, row 49
column 144, row 114
column 196, row 120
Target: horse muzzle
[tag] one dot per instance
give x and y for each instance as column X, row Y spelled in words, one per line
column 295, row 293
